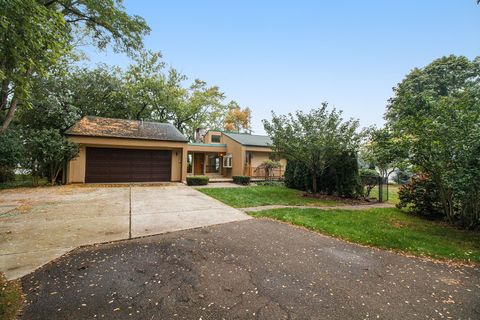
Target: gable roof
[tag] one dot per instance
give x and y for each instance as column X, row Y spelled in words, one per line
column 122, row 128
column 252, row 140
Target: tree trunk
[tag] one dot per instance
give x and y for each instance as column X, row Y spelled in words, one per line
column 314, row 181
column 10, row 113
column 4, row 94
column 13, row 105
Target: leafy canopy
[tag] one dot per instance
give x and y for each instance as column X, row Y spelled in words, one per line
column 314, row 139
column 435, row 112
column 37, row 33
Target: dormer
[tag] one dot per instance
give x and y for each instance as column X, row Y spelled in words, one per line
column 212, row 136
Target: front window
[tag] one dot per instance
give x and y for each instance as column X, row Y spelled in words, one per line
column 227, row 161
column 189, row 163
column 215, row 138
column 213, row 163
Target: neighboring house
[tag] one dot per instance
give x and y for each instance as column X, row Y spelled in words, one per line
column 117, row 150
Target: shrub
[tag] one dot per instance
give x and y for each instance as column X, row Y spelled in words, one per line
column 369, row 179
column 11, row 153
column 7, row 174
column 268, row 166
column 197, row 180
column 421, row 197
column 340, row 178
column 48, row 153
column 243, row 180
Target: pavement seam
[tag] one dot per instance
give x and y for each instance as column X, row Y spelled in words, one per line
column 130, row 213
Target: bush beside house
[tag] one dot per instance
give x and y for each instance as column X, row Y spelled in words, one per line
column 197, row 180
column 340, row 178
column 243, row 180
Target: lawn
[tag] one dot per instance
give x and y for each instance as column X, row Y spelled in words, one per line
column 392, row 193
column 387, row 228
column 10, row 299
column 264, row 195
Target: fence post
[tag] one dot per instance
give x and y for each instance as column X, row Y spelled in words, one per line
column 380, row 189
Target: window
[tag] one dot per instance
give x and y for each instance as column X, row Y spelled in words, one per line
column 215, row 138
column 189, row 162
column 213, row 163
column 227, row 161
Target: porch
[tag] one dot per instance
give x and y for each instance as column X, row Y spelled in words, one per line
column 261, row 173
column 210, row 164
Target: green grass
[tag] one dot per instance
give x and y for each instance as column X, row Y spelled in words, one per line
column 10, row 299
column 264, row 195
column 386, row 228
column 22, row 181
column 392, row 193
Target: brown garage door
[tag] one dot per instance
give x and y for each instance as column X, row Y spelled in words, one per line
column 127, row 165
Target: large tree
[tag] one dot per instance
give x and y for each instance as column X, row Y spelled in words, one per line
column 314, row 139
column 145, row 90
column 154, row 93
column 436, row 113
column 35, row 34
column 69, row 92
column 238, row 119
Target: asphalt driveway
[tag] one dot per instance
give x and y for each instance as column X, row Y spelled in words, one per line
column 255, row 269
column 41, row 224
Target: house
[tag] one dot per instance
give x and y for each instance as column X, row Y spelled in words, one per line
column 118, row 150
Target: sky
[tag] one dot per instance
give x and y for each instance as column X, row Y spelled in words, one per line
column 293, row 55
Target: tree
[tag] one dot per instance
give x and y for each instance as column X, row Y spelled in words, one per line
column 313, row 139
column 48, row 153
column 11, row 152
column 383, row 151
column 69, row 92
column 436, row 113
column 37, row 33
column 237, row 119
column 154, row 94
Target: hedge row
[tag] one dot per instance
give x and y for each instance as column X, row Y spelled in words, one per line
column 341, row 177
column 197, row 180
column 243, row 180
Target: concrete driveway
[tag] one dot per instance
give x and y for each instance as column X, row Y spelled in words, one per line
column 39, row 225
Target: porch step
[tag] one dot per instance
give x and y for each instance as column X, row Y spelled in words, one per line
column 214, row 180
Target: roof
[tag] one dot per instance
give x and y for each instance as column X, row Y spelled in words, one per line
column 122, row 128
column 252, row 140
column 201, row 144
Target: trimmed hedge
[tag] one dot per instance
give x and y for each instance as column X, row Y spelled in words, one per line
column 243, row 180
column 341, row 177
column 197, row 180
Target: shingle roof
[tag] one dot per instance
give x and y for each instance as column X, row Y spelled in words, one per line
column 122, row 128
column 250, row 139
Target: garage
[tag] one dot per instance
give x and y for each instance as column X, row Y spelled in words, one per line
column 122, row 150
column 127, row 165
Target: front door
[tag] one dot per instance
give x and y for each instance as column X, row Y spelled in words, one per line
column 248, row 164
column 198, row 159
